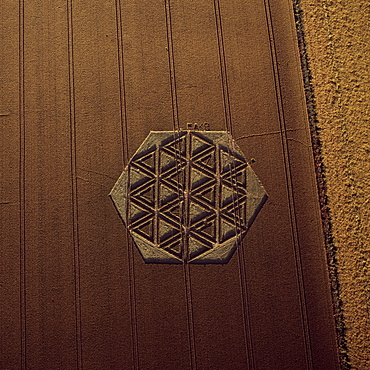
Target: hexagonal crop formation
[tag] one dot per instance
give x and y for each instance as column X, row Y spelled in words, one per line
column 188, row 197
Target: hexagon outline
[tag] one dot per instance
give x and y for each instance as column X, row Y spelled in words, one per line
column 168, row 159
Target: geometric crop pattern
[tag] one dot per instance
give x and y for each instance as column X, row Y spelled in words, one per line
column 188, row 197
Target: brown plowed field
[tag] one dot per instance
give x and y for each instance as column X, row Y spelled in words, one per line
column 83, row 83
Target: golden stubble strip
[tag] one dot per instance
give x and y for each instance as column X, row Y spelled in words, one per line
column 337, row 37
